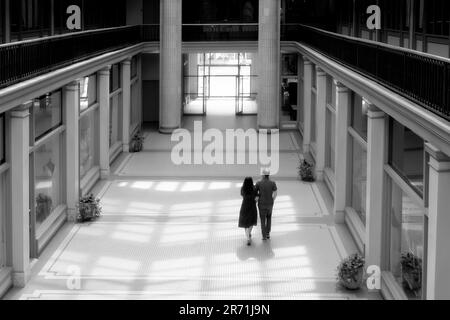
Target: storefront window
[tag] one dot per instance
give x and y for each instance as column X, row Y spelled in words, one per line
column 135, row 103
column 331, row 134
column 47, row 179
column 114, row 81
column 134, row 67
column 114, row 119
column 2, row 219
column 359, row 116
column 407, row 243
column 407, row 154
column 2, row 139
column 359, row 179
column 47, row 114
column 88, row 143
column 313, row 118
column 88, row 92
column 289, row 65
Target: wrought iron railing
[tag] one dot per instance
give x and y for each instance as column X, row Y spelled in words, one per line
column 220, row 32
column 27, row 59
column 422, row 78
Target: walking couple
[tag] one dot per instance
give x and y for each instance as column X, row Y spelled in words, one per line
column 264, row 193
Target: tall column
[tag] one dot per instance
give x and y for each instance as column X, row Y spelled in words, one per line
column 139, row 89
column 171, row 66
column 376, row 159
column 269, row 64
column 72, row 110
column 342, row 150
column 126, row 104
column 20, row 188
column 438, row 281
column 103, row 91
column 321, row 112
column 307, row 99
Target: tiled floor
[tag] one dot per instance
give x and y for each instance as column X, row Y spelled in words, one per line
column 177, row 238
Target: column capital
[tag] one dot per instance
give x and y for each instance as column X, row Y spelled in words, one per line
column 320, row 72
column 373, row 112
column 340, row 87
column 22, row 111
column 105, row 71
column 436, row 155
column 72, row 86
column 307, row 62
column 126, row 62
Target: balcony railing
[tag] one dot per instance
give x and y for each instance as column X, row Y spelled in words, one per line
column 422, row 78
column 220, row 32
column 28, row 59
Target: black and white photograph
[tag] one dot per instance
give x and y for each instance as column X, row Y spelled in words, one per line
column 251, row 151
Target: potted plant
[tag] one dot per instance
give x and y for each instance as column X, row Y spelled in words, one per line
column 44, row 205
column 137, row 142
column 350, row 272
column 88, row 208
column 306, row 171
column 411, row 271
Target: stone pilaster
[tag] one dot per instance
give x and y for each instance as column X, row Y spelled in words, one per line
column 20, row 193
column 71, row 104
column 321, row 112
column 438, row 281
column 307, row 99
column 104, row 101
column 342, row 151
column 126, row 103
column 376, row 159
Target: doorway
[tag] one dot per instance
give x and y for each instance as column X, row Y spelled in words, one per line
column 219, row 83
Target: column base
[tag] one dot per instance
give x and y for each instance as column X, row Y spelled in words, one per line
column 267, row 128
column 104, row 174
column 306, row 148
column 126, row 148
column 165, row 130
column 339, row 217
column 20, row 279
column 72, row 215
column 320, row 175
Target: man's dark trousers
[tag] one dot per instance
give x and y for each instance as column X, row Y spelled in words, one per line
column 265, row 213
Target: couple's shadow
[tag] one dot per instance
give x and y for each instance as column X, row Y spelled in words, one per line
column 260, row 251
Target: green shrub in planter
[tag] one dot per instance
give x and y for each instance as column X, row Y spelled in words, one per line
column 88, row 208
column 306, row 171
column 137, row 143
column 350, row 272
column 411, row 271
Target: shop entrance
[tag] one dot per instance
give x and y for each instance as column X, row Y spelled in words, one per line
column 219, row 83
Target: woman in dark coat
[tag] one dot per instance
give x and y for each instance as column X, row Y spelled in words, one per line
column 248, row 217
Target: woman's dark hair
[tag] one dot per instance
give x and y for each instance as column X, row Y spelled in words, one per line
column 248, row 187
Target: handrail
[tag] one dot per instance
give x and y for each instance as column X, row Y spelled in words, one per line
column 23, row 60
column 420, row 77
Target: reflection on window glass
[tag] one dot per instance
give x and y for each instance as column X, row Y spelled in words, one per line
column 47, row 113
column 331, row 134
column 114, row 119
column 114, row 81
column 406, row 156
column 47, row 179
column 88, row 92
column 359, row 180
column 289, row 64
column 359, row 116
column 407, row 243
column 313, row 118
column 2, row 219
column 2, row 139
column 88, row 145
